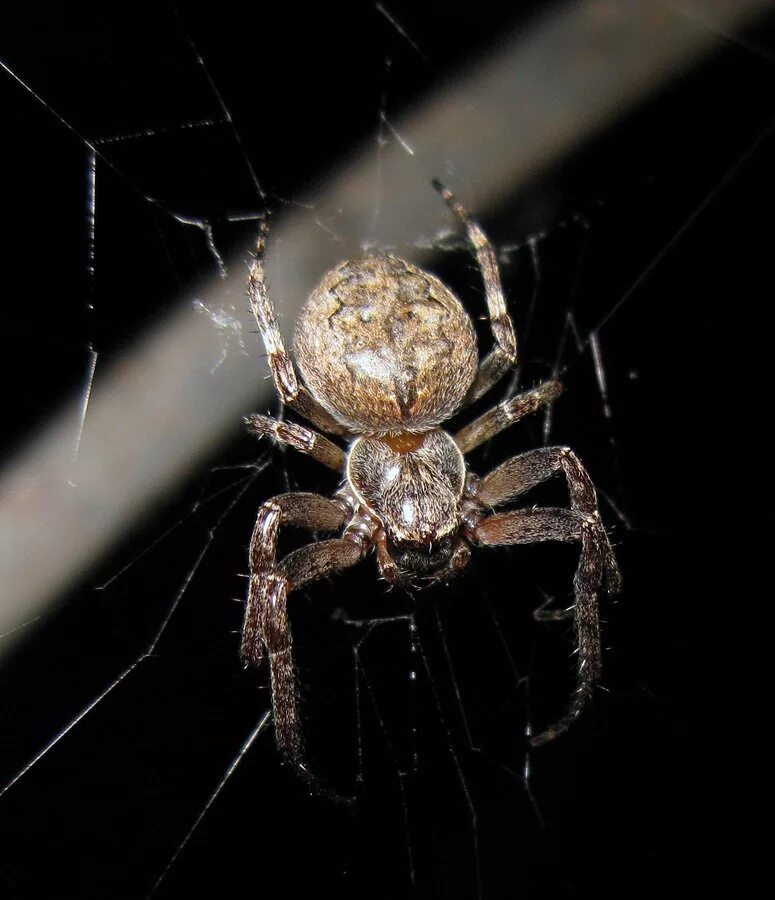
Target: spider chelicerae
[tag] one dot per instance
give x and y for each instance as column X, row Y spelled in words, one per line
column 387, row 354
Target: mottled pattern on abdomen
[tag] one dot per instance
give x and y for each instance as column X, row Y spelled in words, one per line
column 385, row 346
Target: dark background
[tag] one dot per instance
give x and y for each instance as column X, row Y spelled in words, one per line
column 635, row 800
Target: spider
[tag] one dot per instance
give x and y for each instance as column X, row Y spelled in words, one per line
column 387, row 354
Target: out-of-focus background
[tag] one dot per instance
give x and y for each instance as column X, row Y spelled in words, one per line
column 619, row 163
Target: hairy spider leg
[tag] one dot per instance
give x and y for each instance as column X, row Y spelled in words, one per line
column 291, row 391
column 504, row 355
column 506, row 414
column 266, row 630
column 305, row 440
column 580, row 524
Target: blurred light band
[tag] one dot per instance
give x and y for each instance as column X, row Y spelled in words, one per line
column 159, row 413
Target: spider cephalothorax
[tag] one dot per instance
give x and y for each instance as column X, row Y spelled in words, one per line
column 387, row 354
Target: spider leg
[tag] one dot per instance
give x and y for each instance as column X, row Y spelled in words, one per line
column 528, row 526
column 311, row 511
column 266, row 630
column 504, row 355
column 519, row 474
column 580, row 523
column 305, row 440
column 505, row 414
column 291, row 392
column 525, row 526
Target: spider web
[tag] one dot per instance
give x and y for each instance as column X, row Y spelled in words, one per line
column 618, row 268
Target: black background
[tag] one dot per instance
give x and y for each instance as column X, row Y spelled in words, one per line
column 635, row 800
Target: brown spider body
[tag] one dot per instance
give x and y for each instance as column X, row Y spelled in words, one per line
column 385, row 347
column 387, row 354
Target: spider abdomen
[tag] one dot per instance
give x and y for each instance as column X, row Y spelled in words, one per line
column 385, row 346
